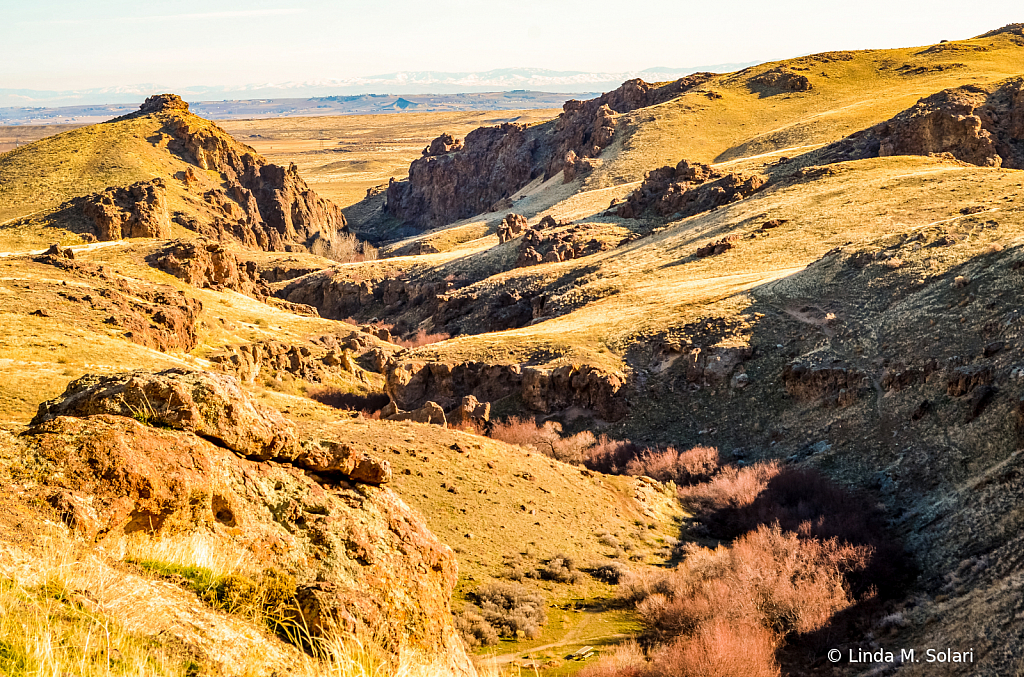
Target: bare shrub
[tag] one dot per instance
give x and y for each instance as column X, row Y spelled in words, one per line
column 475, row 630
column 339, row 398
column 545, row 438
column 421, row 338
column 344, row 248
column 512, row 609
column 768, row 577
column 687, row 467
column 732, row 488
column 626, row 661
column 718, row 649
column 560, row 568
column 610, row 456
column 805, row 502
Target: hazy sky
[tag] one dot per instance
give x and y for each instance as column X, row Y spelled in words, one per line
column 71, row 44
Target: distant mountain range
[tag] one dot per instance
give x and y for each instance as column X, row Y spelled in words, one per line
column 404, row 83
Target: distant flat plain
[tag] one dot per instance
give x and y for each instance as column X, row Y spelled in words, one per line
column 340, row 156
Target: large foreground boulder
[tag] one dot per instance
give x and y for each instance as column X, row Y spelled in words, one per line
column 356, row 554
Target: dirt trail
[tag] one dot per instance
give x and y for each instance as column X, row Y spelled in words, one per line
column 82, row 248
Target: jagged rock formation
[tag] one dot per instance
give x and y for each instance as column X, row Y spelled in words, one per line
column 341, row 298
column 327, row 356
column 511, row 226
column 979, row 124
column 331, row 529
column 567, row 243
column 450, row 183
column 493, row 163
column 412, row 384
column 210, row 265
column 265, row 205
column 687, row 189
column 138, row 210
column 446, row 143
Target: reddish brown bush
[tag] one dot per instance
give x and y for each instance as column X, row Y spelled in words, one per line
column 610, row 456
column 627, row 661
column 545, row 438
column 421, row 338
column 731, row 489
column 805, row 502
column 688, row 467
column 768, row 578
column 718, row 649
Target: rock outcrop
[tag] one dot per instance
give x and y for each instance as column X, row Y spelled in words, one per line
column 511, row 226
column 449, row 183
column 355, row 554
column 979, row 124
column 781, row 80
column 210, row 265
column 688, row 189
column 430, row 412
column 325, row 357
column 211, row 406
column 493, row 164
column 573, row 242
column 138, row 210
column 263, row 205
column 412, row 384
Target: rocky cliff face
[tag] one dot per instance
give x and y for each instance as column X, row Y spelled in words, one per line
column 413, row 384
column 979, row 124
column 266, row 205
column 222, row 463
column 453, row 181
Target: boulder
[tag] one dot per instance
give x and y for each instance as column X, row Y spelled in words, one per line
column 210, row 405
column 470, row 412
column 430, row 412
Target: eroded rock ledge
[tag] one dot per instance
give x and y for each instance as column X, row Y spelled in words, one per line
column 412, row 384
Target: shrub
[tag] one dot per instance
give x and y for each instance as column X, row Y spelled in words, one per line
column 421, row 338
column 688, row 467
column 344, row 248
column 610, row 572
column 768, row 577
column 560, row 568
column 718, row 649
column 610, row 456
column 627, row 661
column 339, row 398
column 512, row 609
column 475, row 630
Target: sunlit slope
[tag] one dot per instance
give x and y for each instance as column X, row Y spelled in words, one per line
column 732, row 117
column 659, row 282
column 43, row 174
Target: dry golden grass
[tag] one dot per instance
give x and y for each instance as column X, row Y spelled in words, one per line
column 342, row 156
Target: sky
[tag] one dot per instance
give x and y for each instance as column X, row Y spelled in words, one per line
column 79, row 44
